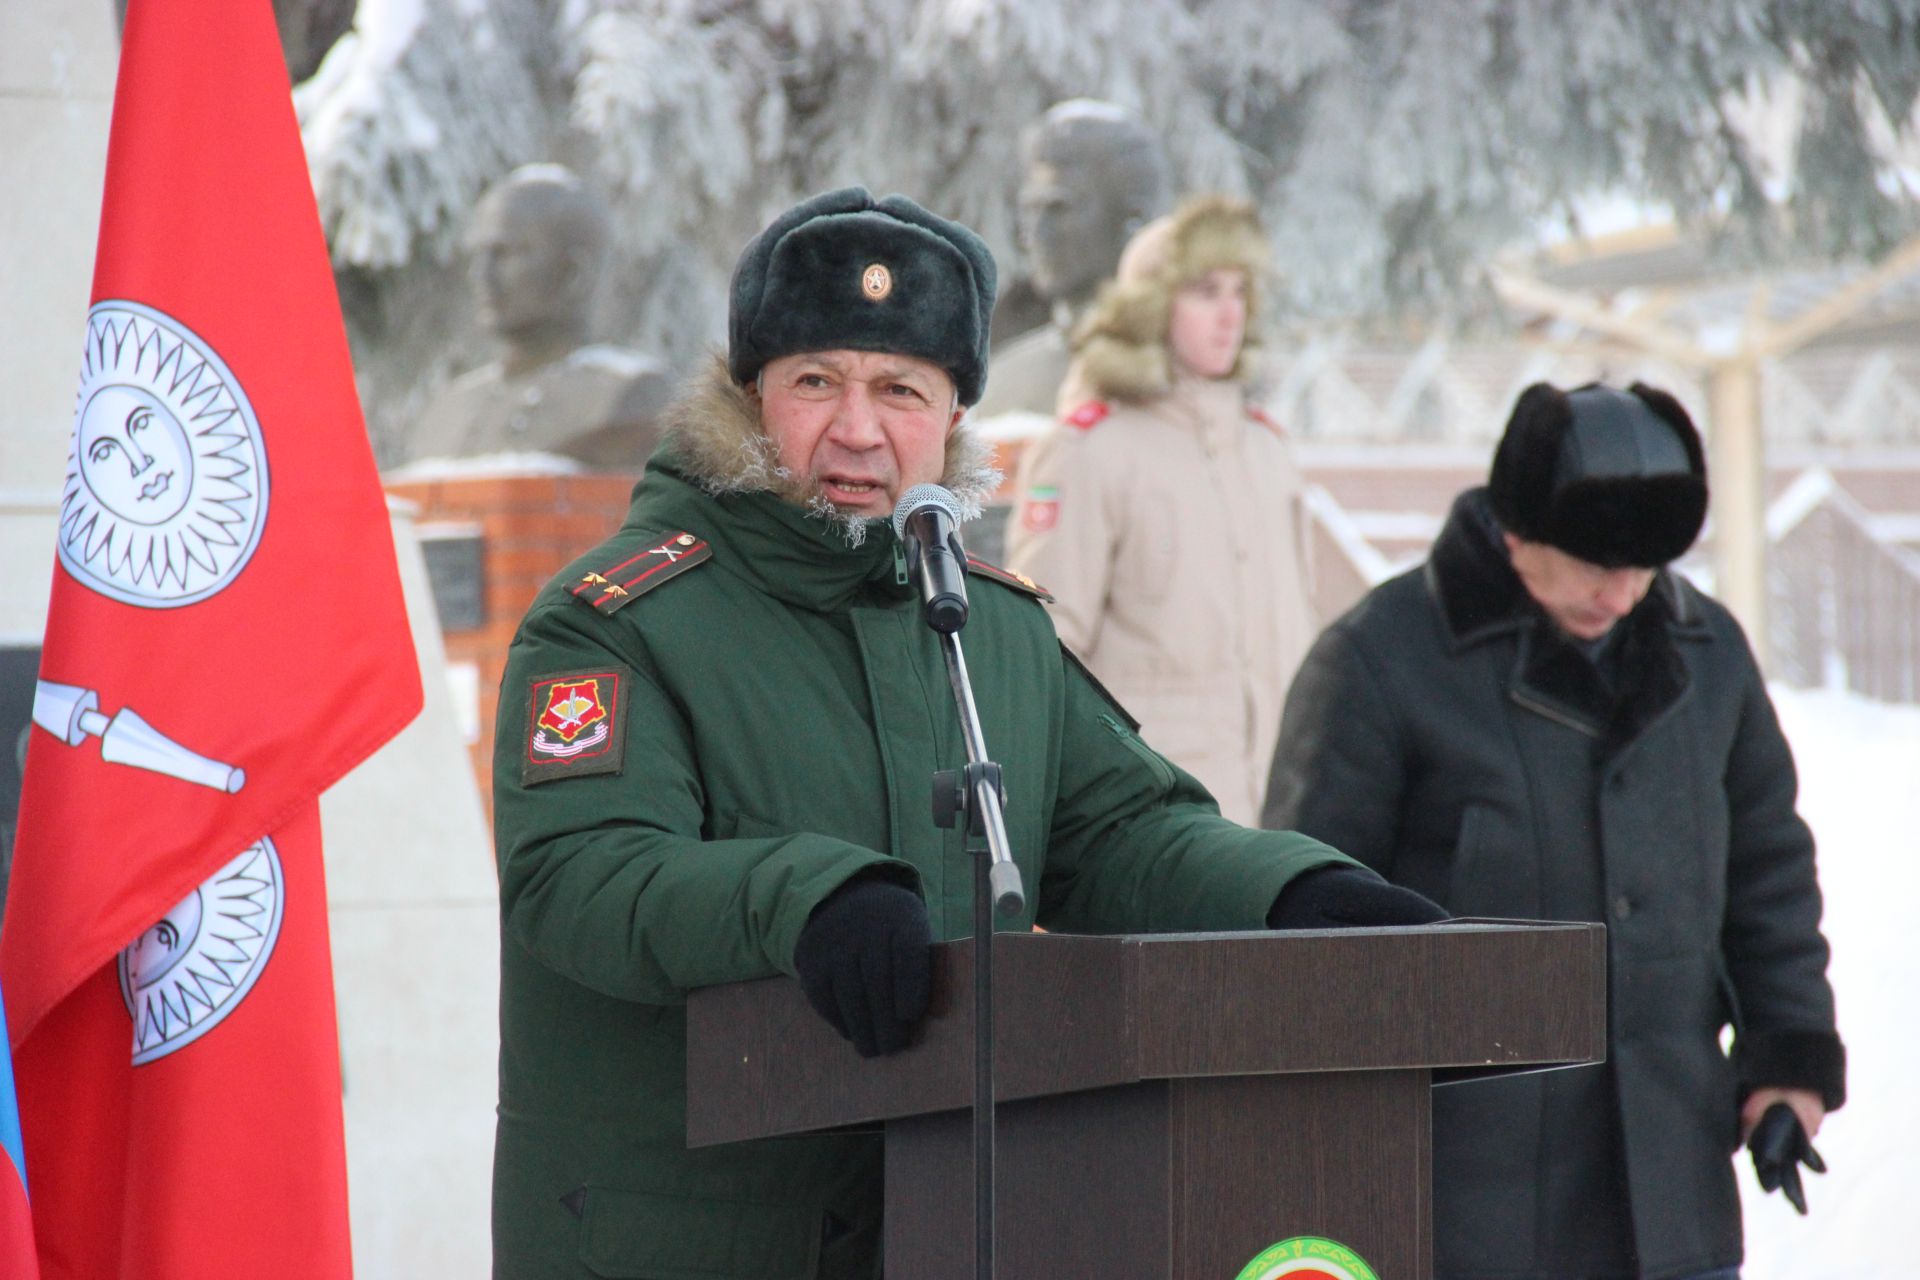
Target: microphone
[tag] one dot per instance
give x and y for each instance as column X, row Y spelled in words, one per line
column 927, row 519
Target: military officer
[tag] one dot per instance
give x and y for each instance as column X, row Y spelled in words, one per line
column 716, row 737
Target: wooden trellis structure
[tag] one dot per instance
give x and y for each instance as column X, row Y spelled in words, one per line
column 1729, row 354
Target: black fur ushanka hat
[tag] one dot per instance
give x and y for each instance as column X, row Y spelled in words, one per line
column 843, row 270
column 1615, row 478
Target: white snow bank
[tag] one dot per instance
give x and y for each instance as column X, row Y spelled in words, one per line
column 484, row 465
column 1860, row 791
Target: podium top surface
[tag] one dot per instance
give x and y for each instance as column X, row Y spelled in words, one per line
column 1075, row 1012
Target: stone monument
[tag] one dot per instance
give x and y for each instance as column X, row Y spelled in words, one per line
column 1092, row 174
column 539, row 241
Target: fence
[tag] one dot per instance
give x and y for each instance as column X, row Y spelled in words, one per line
column 1456, row 392
column 1844, row 601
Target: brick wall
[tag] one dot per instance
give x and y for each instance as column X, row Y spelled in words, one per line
column 531, row 527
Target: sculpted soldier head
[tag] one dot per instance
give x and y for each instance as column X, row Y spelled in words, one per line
column 538, row 240
column 1092, row 176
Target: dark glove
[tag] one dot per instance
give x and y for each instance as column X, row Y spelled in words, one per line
column 864, row 961
column 1780, row 1146
column 1346, row 898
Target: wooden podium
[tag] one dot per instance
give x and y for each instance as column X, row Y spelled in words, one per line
column 1171, row 1104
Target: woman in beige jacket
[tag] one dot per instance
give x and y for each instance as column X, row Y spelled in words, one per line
column 1163, row 510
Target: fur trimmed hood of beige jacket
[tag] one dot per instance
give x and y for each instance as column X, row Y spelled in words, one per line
column 1120, row 347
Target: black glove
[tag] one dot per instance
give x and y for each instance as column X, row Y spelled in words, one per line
column 1346, row 898
column 864, row 961
column 1780, row 1146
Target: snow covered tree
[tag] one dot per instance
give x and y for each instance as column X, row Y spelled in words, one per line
column 1392, row 143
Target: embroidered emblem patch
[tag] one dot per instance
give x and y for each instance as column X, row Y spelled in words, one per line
column 1041, row 511
column 574, row 726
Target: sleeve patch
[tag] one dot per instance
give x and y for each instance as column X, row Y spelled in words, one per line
column 1041, row 509
column 576, row 725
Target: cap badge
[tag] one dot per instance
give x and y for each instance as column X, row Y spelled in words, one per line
column 876, row 282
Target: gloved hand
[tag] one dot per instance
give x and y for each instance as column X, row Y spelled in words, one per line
column 865, row 962
column 1346, row 898
column 1780, row 1146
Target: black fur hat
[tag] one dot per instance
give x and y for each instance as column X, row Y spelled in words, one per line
column 1615, row 478
column 845, row 270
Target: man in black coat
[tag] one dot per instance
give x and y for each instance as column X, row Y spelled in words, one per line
column 1544, row 722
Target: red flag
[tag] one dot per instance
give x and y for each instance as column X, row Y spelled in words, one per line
column 226, row 638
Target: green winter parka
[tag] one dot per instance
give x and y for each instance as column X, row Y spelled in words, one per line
column 773, row 712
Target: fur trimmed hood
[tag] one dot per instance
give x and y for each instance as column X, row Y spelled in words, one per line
column 713, row 430
column 1120, row 348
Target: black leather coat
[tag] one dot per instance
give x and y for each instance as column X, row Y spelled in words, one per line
column 1446, row 735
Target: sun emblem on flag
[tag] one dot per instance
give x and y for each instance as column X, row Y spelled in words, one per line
column 182, row 977
column 166, row 489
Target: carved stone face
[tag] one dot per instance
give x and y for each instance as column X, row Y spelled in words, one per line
column 526, row 277
column 1075, row 217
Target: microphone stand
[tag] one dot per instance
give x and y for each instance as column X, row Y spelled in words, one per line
column 977, row 793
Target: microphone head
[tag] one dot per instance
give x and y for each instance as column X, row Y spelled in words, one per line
column 924, row 495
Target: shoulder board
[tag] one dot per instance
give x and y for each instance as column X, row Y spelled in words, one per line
column 1257, row 414
column 631, row 575
column 1088, row 416
column 1008, row 578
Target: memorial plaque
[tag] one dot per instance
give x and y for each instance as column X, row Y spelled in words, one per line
column 456, row 570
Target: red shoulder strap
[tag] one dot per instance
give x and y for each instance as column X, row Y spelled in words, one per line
column 1265, row 419
column 1087, row 416
column 631, row 576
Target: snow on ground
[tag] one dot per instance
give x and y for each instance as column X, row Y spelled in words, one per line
column 1859, row 767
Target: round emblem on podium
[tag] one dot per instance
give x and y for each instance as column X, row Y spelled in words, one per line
column 182, row 977
column 166, row 489
column 1307, row 1258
